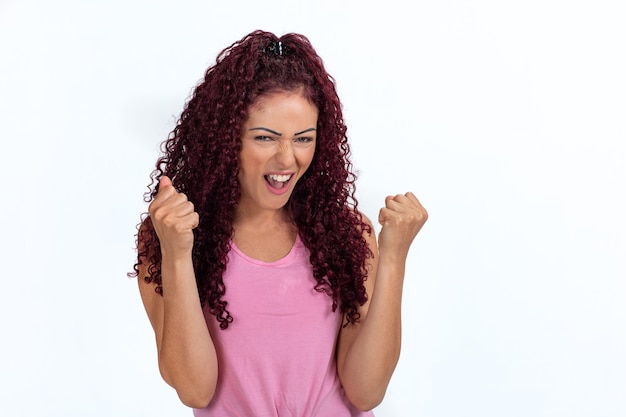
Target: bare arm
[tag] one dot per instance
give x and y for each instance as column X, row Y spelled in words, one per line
column 187, row 357
column 368, row 351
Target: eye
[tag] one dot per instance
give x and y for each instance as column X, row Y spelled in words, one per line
column 263, row 138
column 304, row 139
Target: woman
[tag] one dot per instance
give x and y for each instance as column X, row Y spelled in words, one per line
column 267, row 290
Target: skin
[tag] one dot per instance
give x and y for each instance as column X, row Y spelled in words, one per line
column 368, row 351
column 277, row 138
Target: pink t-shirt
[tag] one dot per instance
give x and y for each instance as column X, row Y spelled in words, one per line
column 277, row 358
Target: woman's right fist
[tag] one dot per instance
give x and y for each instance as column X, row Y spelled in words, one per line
column 173, row 218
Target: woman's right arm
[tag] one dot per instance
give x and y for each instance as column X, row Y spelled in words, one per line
column 187, row 357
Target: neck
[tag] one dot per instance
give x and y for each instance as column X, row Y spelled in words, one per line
column 245, row 217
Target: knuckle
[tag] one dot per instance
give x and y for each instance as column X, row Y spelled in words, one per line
column 157, row 213
column 168, row 221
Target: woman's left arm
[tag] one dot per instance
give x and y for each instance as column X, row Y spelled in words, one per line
column 368, row 351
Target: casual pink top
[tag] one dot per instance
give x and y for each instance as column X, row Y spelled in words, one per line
column 277, row 357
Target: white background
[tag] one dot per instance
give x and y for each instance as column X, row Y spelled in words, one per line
column 506, row 118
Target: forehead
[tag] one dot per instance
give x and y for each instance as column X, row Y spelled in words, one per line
column 282, row 105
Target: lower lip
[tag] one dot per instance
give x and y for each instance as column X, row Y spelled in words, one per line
column 280, row 191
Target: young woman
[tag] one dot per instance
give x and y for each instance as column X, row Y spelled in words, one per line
column 267, row 290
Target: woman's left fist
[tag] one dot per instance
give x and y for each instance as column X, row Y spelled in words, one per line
column 401, row 219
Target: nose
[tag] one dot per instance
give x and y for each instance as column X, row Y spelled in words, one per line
column 285, row 154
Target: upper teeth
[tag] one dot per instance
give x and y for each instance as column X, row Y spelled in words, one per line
column 279, row 178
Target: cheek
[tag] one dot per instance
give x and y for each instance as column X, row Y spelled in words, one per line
column 307, row 157
column 304, row 166
column 248, row 163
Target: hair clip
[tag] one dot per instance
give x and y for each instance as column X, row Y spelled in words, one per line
column 277, row 49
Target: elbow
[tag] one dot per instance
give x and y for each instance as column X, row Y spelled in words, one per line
column 365, row 401
column 195, row 399
column 366, row 404
column 364, row 392
column 197, row 394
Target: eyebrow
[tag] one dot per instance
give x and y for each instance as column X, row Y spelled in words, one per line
column 267, row 130
column 311, row 129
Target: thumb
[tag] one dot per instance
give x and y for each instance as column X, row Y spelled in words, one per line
column 382, row 214
column 165, row 181
column 382, row 217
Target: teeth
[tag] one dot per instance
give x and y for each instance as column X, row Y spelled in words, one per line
column 280, row 178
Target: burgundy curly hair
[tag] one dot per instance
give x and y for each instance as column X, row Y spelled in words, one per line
column 201, row 158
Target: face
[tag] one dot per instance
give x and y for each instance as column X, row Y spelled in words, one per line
column 277, row 147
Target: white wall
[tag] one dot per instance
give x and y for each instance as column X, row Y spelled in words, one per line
column 505, row 118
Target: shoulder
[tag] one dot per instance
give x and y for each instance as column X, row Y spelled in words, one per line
column 367, row 230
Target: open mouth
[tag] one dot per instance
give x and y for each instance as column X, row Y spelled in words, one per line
column 277, row 181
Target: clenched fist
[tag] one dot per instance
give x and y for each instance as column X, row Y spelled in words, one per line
column 174, row 219
column 401, row 219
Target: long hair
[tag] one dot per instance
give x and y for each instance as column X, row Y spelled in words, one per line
column 201, row 158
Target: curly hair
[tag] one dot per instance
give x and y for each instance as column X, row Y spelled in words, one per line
column 201, row 158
